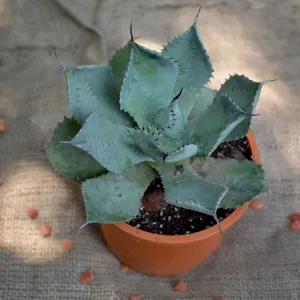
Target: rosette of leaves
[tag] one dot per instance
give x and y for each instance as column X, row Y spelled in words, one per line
column 146, row 115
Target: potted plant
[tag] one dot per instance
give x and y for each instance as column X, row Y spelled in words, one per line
column 145, row 127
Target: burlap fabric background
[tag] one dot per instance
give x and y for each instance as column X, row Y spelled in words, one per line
column 260, row 257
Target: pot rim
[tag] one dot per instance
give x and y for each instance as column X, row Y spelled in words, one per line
column 197, row 236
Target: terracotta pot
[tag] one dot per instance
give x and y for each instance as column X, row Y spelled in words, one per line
column 165, row 255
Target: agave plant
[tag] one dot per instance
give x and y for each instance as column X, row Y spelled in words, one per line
column 146, row 115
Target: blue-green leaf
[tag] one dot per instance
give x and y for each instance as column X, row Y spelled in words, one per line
column 205, row 100
column 185, row 188
column 115, row 198
column 109, row 143
column 119, row 64
column 92, row 89
column 245, row 94
column 170, row 121
column 213, row 126
column 143, row 95
column 66, row 129
column 164, row 143
column 194, row 67
column 67, row 160
column 245, row 179
column 182, row 153
column 147, row 143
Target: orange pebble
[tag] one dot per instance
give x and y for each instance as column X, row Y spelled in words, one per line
column 124, row 268
column 221, row 298
column 180, row 286
column 87, row 277
column 295, row 225
column 2, row 125
column 135, row 298
column 295, row 217
column 46, row 230
column 256, row 204
column 67, row 244
column 32, row 212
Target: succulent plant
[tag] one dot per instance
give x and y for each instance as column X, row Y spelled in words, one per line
column 146, row 115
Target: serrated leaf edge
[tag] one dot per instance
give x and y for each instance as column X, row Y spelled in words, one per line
column 180, row 149
column 129, row 65
column 180, row 37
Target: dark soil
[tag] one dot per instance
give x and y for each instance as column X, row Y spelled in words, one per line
column 156, row 216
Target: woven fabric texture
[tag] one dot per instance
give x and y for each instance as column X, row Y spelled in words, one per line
column 260, row 256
